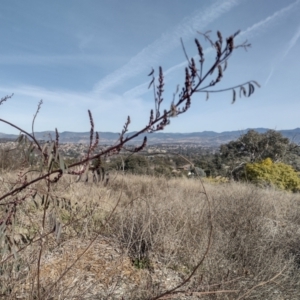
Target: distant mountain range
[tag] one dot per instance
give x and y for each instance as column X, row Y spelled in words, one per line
column 205, row 138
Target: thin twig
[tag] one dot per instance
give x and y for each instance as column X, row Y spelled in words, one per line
column 261, row 284
column 35, row 115
column 184, row 51
column 25, row 132
column 200, row 293
column 5, row 98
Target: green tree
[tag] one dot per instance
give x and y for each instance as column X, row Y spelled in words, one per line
column 253, row 147
column 256, row 146
column 137, row 164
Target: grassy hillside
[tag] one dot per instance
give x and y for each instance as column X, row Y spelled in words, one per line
column 140, row 236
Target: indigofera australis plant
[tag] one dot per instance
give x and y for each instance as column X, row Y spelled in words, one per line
column 50, row 167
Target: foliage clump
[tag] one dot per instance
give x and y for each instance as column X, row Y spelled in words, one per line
column 216, row 180
column 280, row 175
column 253, row 147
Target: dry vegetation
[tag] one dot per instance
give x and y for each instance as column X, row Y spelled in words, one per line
column 153, row 240
column 143, row 237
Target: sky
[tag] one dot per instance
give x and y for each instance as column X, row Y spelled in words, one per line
column 96, row 54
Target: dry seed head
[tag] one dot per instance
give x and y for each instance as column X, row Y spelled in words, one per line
column 161, row 75
column 92, row 127
column 96, row 142
column 218, row 49
column 164, row 122
column 200, row 50
column 161, row 83
column 151, row 117
column 91, row 119
column 230, row 44
column 56, row 137
column 188, row 83
column 137, row 149
column 220, row 73
column 193, row 68
column 220, row 37
column 187, row 103
column 173, row 110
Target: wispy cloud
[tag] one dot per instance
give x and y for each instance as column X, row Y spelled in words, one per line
column 254, row 30
column 36, row 60
column 85, row 40
column 35, row 93
column 150, row 55
column 68, row 109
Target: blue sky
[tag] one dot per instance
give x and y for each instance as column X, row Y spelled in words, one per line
column 96, row 54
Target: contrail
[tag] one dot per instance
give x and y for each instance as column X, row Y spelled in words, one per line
column 165, row 44
column 270, row 75
column 251, row 31
column 292, row 42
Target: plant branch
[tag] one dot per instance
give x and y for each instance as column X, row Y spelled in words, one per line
column 25, row 132
column 35, row 115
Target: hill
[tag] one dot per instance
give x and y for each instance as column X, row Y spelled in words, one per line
column 205, row 138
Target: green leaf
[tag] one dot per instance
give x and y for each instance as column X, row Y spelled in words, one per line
column 44, row 148
column 50, row 160
column 225, row 65
column 256, row 83
column 58, row 228
column 233, row 96
column 23, row 238
column 62, row 164
column 50, row 148
column 251, row 89
column 151, row 83
column 243, row 90
column 35, row 203
column 13, row 248
column 20, row 138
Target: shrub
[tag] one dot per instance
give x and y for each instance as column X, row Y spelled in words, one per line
column 216, row 180
column 136, row 164
column 280, row 175
column 253, row 147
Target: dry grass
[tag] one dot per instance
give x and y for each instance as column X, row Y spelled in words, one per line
column 158, row 232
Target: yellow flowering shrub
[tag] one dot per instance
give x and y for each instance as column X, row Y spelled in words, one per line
column 280, row 175
column 218, row 179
